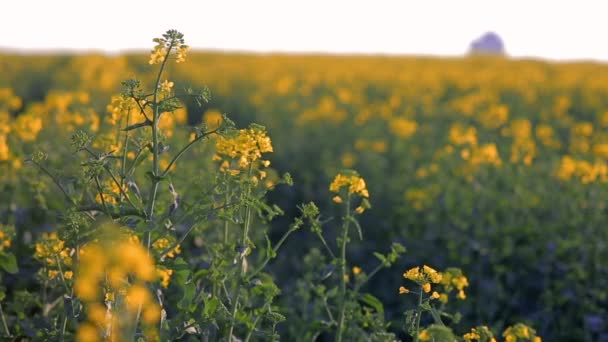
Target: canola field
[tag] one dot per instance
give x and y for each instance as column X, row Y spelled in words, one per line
column 497, row 167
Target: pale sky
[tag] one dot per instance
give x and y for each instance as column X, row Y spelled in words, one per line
column 562, row 30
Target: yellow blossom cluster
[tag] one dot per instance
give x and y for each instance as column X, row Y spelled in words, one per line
column 239, row 151
column 212, row 118
column 4, row 149
column 27, row 126
column 162, row 244
column 484, row 154
column 423, row 276
column 5, row 237
column 165, row 87
column 403, row 128
column 453, row 279
column 112, row 269
column 460, row 135
column 546, row 135
column 8, row 100
column 523, row 147
column 119, row 107
column 583, row 170
column 520, row 333
column 111, row 192
column 159, row 52
column 495, row 116
column 56, row 257
column 354, row 185
column 481, row 333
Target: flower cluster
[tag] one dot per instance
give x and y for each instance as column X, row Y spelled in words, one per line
column 111, row 193
column 56, row 257
column 584, row 170
column 119, row 107
column 481, row 334
column 172, row 40
column 163, row 243
column 520, row 333
column 165, row 87
column 5, row 237
column 453, row 279
column 423, row 276
column 240, row 151
column 120, row 269
column 354, row 185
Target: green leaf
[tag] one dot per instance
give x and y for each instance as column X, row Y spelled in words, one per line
column 270, row 253
column 183, row 281
column 436, row 316
column 9, row 263
column 211, row 306
column 373, row 302
column 440, row 333
column 425, row 306
column 381, row 257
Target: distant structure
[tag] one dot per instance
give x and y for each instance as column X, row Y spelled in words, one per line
column 488, row 44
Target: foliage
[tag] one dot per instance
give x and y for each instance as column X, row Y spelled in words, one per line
column 492, row 165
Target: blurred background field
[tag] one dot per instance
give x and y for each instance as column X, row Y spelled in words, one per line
column 494, row 165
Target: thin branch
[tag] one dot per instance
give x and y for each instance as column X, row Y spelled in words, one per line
column 138, row 125
column 186, row 148
column 120, row 213
column 275, row 249
column 55, row 180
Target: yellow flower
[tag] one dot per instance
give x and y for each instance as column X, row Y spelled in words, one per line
column 97, row 313
column 165, row 275
column 166, row 86
column 244, row 148
column 426, row 287
column 180, row 55
column 435, row 295
column 158, row 54
column 87, row 333
column 109, row 297
column 359, row 210
column 354, row 183
column 68, row 274
column 137, row 295
column 151, row 314
column 86, row 289
column 424, row 335
column 403, row 290
column 356, row 270
column 337, row 199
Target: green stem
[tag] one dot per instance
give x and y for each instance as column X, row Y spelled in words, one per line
column 120, row 188
column 103, row 201
column 275, row 249
column 331, row 253
column 56, row 181
column 8, row 332
column 154, row 188
column 371, row 275
column 155, row 120
column 418, row 314
column 343, row 242
column 244, row 242
column 250, row 332
column 186, row 148
column 64, row 327
column 123, row 167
